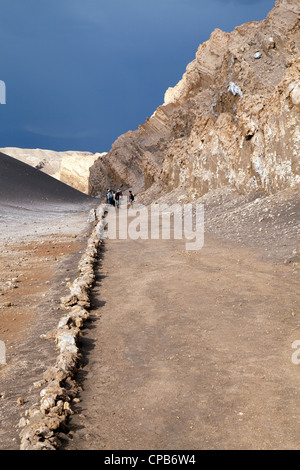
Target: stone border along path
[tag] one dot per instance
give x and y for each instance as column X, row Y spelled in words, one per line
column 41, row 423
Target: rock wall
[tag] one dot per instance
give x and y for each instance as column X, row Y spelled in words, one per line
column 75, row 170
column 135, row 159
column 232, row 120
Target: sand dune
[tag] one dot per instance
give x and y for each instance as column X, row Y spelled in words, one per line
column 72, row 167
column 20, row 182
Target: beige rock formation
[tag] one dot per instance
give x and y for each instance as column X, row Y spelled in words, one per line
column 75, row 170
column 233, row 119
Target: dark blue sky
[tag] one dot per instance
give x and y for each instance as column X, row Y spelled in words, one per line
column 79, row 73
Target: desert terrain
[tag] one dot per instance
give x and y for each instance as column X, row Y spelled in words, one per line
column 162, row 347
column 193, row 349
column 44, row 226
column 183, row 349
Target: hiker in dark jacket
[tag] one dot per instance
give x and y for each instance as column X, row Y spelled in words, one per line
column 117, row 198
column 111, row 198
column 131, row 198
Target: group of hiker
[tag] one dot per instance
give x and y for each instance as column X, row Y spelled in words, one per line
column 114, row 197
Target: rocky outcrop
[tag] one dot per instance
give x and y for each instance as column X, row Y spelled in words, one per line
column 72, row 168
column 233, row 119
column 135, row 159
column 75, row 170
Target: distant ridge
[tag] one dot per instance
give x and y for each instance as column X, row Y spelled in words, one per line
column 20, row 182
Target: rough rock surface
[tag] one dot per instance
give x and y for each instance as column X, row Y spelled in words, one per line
column 233, row 119
column 72, row 168
column 75, row 170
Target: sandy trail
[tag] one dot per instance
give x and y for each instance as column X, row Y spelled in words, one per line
column 189, row 350
column 184, row 350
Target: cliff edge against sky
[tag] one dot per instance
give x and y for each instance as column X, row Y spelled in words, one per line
column 232, row 120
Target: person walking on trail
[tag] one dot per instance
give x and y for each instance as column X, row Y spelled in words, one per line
column 131, row 198
column 117, row 198
column 111, row 198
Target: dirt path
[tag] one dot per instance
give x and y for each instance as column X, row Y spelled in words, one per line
column 189, row 350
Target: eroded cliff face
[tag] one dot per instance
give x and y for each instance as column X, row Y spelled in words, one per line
column 135, row 159
column 232, row 120
column 75, row 170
